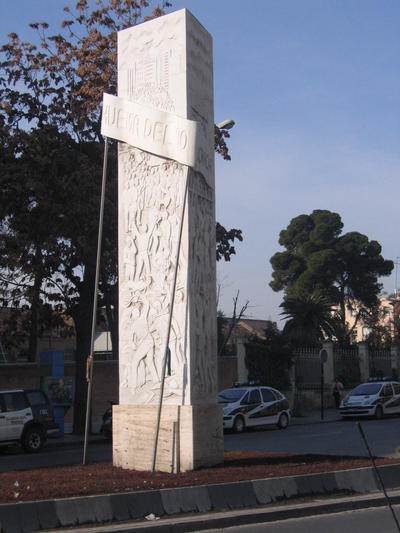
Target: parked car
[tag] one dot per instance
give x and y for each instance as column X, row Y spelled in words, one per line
column 374, row 398
column 26, row 417
column 252, row 406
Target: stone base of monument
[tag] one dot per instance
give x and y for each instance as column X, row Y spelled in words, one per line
column 190, row 437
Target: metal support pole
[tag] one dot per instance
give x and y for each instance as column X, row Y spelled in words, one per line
column 322, row 390
column 96, row 287
column 364, row 438
column 164, row 365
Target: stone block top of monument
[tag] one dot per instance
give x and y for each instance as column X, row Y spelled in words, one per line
column 166, row 64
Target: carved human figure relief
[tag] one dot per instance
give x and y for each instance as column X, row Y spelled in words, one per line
column 130, row 252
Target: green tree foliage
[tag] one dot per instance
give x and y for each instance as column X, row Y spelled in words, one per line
column 381, row 324
column 269, row 360
column 310, row 319
column 33, row 193
column 319, row 259
column 377, row 333
column 225, row 239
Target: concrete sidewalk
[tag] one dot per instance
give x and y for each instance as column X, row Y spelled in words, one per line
column 314, row 417
column 286, row 510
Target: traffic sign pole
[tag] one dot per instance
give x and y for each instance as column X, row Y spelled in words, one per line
column 323, row 356
column 322, row 390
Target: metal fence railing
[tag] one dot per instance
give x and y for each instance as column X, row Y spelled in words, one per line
column 307, row 368
column 380, row 363
column 346, row 365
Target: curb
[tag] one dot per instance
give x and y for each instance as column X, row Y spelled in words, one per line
column 62, row 442
column 107, row 508
column 221, row 520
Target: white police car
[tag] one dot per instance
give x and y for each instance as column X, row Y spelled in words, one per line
column 374, row 398
column 26, row 417
column 251, row 406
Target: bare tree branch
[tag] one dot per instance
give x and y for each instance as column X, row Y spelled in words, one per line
column 234, row 320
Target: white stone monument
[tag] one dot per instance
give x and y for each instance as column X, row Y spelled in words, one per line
column 164, row 112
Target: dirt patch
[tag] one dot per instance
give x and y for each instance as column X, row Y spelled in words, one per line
column 103, row 477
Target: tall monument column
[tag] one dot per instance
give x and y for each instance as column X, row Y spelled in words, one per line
column 165, row 70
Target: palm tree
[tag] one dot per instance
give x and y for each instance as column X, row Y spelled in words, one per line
column 311, row 319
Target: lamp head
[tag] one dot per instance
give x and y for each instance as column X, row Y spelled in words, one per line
column 226, row 124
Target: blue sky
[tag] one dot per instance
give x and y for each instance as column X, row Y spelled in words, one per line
column 314, row 89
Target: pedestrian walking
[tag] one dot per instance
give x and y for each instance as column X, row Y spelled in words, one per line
column 337, row 392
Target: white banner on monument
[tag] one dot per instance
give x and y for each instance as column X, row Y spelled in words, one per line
column 155, row 131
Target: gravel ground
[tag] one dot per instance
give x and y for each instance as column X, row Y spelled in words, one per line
column 103, row 477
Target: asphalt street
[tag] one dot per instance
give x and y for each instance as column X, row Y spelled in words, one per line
column 332, row 438
column 373, row 520
column 13, row 458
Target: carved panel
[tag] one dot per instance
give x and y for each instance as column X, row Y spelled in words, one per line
column 150, row 210
column 202, row 289
column 152, row 65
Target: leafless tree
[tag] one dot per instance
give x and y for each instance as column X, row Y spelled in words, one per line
column 233, row 321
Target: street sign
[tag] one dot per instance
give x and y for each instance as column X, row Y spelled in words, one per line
column 323, row 355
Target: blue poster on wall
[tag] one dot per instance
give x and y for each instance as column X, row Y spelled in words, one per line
column 60, row 390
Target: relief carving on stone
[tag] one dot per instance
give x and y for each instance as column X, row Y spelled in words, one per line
column 202, row 288
column 151, row 204
column 151, row 208
column 149, row 62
